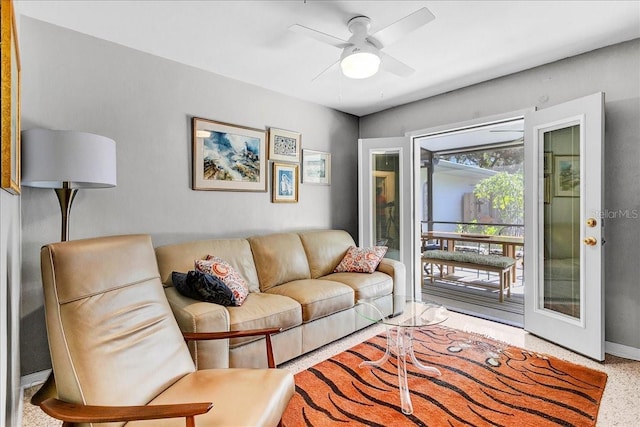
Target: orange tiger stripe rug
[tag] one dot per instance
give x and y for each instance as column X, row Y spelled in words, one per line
column 483, row 383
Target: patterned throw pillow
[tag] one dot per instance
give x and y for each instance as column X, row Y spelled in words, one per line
column 203, row 287
column 224, row 271
column 361, row 260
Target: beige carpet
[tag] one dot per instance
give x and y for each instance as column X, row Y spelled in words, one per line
column 619, row 405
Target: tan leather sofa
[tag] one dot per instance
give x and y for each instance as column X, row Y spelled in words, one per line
column 292, row 286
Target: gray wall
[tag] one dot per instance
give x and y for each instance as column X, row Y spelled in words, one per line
column 145, row 103
column 614, row 70
column 9, row 308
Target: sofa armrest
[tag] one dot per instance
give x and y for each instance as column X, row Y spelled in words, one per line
column 398, row 273
column 237, row 334
column 198, row 316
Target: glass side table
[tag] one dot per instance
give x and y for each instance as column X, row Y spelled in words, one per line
column 416, row 314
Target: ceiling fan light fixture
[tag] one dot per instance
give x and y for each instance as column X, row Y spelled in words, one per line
column 359, row 64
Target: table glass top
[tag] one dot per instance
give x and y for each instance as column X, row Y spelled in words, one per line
column 415, row 313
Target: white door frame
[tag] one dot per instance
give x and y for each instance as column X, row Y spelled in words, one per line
column 409, row 239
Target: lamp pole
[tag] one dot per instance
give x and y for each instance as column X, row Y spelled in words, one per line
column 66, row 194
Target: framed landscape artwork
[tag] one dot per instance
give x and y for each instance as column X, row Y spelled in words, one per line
column 566, row 176
column 228, row 157
column 285, row 183
column 10, row 70
column 284, row 145
column 316, row 167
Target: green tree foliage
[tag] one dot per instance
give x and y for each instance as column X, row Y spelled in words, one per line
column 508, row 158
column 505, row 192
column 476, row 228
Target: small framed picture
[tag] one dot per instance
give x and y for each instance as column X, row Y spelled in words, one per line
column 285, row 183
column 316, row 167
column 548, row 163
column 284, row 145
column 566, row 176
column 228, row 157
column 547, row 190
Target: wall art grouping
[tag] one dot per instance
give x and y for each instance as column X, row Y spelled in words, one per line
column 228, row 157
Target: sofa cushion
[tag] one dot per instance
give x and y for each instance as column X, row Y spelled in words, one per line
column 374, row 285
column 179, row 257
column 318, row 298
column 227, row 274
column 361, row 260
column 203, row 287
column 263, row 310
column 279, row 258
column 325, row 249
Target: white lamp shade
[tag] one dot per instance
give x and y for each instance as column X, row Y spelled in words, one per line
column 52, row 157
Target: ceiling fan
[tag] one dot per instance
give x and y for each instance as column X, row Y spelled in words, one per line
column 362, row 54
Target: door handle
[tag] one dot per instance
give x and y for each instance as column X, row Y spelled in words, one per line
column 590, row 241
column 591, row 222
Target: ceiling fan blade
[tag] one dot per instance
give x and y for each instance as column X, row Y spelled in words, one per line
column 394, row 32
column 330, row 67
column 392, row 65
column 317, row 35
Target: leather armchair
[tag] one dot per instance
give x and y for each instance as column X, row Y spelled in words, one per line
column 119, row 357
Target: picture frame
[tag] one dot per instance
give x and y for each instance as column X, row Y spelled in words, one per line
column 284, row 145
column 548, row 163
column 566, row 176
column 228, row 157
column 316, row 167
column 547, row 190
column 284, row 188
column 11, row 99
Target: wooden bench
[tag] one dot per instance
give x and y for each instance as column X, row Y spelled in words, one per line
column 491, row 263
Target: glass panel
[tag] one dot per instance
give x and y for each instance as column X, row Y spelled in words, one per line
column 386, row 201
column 561, row 286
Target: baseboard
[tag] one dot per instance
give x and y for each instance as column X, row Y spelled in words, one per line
column 620, row 350
column 35, row 378
column 27, row 381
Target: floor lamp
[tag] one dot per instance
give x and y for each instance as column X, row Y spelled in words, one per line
column 66, row 161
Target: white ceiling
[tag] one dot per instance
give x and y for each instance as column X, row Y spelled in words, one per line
column 468, row 42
